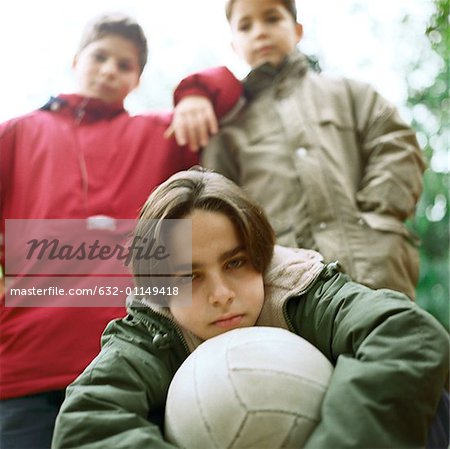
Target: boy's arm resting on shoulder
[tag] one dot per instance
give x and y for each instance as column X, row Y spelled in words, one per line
column 109, row 404
column 391, row 364
column 218, row 84
column 200, row 101
column 193, row 122
column 392, row 176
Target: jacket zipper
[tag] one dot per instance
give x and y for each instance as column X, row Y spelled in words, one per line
column 80, row 113
column 177, row 330
column 173, row 323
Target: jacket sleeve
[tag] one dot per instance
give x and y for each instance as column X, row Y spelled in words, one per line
column 391, row 364
column 8, row 131
column 218, row 84
column 110, row 404
column 392, row 178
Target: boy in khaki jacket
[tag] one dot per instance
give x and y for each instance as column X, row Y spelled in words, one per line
column 331, row 161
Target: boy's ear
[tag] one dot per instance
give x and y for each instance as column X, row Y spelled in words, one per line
column 235, row 48
column 299, row 31
column 74, row 61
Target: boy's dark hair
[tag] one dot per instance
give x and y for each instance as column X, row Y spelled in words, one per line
column 288, row 4
column 201, row 189
column 119, row 24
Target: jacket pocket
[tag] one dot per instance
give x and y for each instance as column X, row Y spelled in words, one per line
column 337, row 136
column 329, row 116
column 259, row 130
column 389, row 256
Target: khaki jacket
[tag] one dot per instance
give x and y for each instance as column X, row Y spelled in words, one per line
column 334, row 166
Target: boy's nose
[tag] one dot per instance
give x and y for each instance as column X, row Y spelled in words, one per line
column 220, row 292
column 259, row 29
column 109, row 67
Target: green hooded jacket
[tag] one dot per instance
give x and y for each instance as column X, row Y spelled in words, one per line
column 391, row 362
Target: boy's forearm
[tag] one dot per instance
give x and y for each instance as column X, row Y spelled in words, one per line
column 109, row 404
column 218, row 84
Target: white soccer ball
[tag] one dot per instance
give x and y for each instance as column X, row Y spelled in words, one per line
column 254, row 388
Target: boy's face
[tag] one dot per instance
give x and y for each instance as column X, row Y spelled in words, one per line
column 227, row 291
column 107, row 69
column 263, row 31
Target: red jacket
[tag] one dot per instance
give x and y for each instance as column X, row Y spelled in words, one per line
column 77, row 158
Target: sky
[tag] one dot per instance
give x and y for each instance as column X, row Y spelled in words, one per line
column 355, row 38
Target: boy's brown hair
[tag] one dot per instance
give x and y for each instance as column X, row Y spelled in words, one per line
column 201, row 189
column 118, row 24
column 288, row 4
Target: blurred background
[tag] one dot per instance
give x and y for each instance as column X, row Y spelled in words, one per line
column 400, row 47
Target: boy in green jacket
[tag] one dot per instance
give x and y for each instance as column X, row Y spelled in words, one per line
column 391, row 358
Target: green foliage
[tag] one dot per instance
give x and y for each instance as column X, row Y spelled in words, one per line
column 431, row 110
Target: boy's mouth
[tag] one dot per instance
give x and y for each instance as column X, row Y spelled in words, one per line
column 105, row 87
column 264, row 50
column 228, row 321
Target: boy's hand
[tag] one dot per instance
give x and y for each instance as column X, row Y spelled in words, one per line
column 194, row 121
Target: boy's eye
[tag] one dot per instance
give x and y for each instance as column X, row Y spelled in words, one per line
column 184, row 279
column 244, row 26
column 272, row 19
column 125, row 66
column 99, row 57
column 236, row 263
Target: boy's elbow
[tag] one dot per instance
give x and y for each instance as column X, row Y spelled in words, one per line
column 436, row 340
column 445, row 356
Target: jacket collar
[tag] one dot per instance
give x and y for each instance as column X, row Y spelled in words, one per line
column 83, row 108
column 291, row 272
column 266, row 74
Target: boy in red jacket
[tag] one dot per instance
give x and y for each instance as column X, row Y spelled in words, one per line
column 80, row 156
